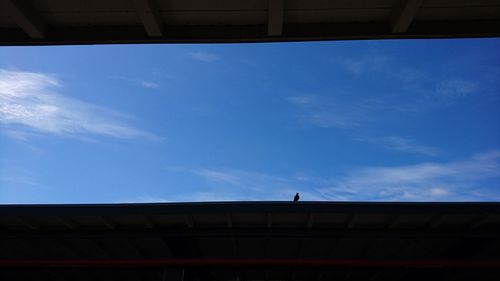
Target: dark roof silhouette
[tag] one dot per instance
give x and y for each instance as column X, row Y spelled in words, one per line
column 41, row 22
column 250, row 241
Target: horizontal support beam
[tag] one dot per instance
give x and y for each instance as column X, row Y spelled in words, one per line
column 309, row 207
column 256, row 33
column 275, row 17
column 26, row 18
column 403, row 14
column 150, row 17
column 226, row 263
column 271, row 232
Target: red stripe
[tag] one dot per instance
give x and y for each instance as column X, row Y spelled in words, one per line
column 254, row 263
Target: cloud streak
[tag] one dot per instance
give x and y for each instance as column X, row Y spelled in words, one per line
column 30, row 104
column 456, row 88
column 465, row 180
column 358, row 66
column 330, row 114
column 204, row 56
column 402, row 144
column 429, row 92
column 149, row 84
column 472, row 179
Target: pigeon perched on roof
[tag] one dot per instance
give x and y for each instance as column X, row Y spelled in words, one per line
column 296, row 197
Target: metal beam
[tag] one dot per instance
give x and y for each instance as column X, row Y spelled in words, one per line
column 436, row 221
column 150, row 17
column 394, row 221
column 253, row 232
column 275, row 17
column 28, row 222
column 166, row 246
column 234, row 247
column 478, row 222
column 300, row 247
column 189, row 221
column 310, row 220
column 229, row 221
column 69, row 223
column 102, row 249
column 347, row 276
column 252, row 263
column 403, row 13
column 147, row 221
column 134, row 249
column 149, row 209
column 254, row 33
column 108, row 222
column 26, row 18
column 269, row 220
column 62, row 243
column 351, row 221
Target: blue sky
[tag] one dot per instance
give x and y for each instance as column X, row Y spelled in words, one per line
column 411, row 120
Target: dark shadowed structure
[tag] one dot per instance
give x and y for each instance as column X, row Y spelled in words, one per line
column 39, row 22
column 309, row 241
column 251, row 241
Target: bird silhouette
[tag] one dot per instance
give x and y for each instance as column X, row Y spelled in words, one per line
column 296, row 197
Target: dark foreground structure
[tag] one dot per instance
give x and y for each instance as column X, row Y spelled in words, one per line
column 309, row 241
column 247, row 241
column 48, row 22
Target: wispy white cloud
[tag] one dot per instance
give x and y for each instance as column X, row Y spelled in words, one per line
column 330, row 114
column 29, row 103
column 362, row 65
column 429, row 92
column 459, row 180
column 149, row 84
column 412, row 91
column 17, row 179
column 472, row 179
column 145, row 83
column 437, row 191
column 18, row 134
column 402, row 144
column 19, row 185
column 456, row 88
column 204, row 56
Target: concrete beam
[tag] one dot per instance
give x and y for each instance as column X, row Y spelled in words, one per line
column 26, row 18
column 275, row 17
column 403, row 13
column 150, row 17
